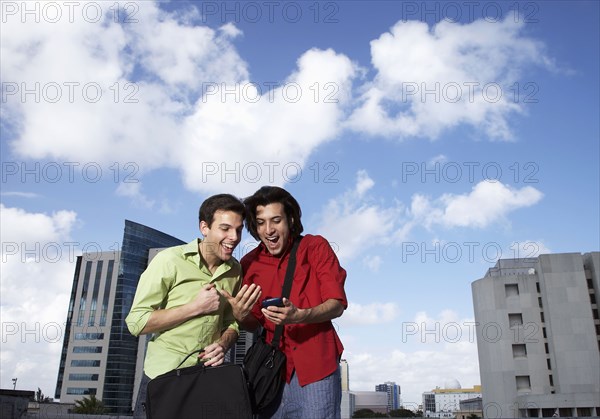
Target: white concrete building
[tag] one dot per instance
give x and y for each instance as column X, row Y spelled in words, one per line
column 444, row 402
column 348, row 405
column 345, row 374
column 538, row 336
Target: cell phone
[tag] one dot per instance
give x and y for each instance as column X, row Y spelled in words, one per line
column 277, row 302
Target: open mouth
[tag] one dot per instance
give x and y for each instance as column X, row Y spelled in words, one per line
column 228, row 247
column 272, row 241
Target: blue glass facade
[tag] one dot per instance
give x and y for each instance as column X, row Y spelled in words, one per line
column 393, row 391
column 122, row 349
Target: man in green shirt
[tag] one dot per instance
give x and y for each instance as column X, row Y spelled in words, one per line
column 178, row 297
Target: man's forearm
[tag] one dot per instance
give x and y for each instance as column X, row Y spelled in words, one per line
column 228, row 338
column 325, row 311
column 164, row 319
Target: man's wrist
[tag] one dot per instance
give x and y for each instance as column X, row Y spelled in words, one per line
column 304, row 314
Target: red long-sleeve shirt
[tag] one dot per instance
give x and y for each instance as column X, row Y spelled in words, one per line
column 313, row 350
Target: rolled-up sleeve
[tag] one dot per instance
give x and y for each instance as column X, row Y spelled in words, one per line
column 330, row 274
column 150, row 294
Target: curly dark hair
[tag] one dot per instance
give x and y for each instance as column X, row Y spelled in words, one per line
column 270, row 195
column 223, row 202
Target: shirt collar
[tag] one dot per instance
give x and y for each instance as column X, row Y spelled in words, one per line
column 190, row 250
column 265, row 253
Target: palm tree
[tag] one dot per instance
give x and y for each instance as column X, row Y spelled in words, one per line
column 90, row 405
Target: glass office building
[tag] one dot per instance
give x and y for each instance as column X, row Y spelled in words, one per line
column 99, row 354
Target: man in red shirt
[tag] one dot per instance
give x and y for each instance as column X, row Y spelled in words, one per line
column 310, row 342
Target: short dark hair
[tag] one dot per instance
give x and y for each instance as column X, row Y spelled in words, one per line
column 270, row 195
column 223, row 202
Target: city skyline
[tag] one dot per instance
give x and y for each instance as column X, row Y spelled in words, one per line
column 424, row 140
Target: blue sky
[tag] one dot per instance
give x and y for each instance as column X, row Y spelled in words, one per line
column 424, row 140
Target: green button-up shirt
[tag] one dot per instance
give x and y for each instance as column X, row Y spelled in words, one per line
column 172, row 279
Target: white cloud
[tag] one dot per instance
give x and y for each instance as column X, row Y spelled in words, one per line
column 134, row 190
column 440, row 158
column 201, row 54
column 431, row 80
column 165, row 106
column 105, row 89
column 264, row 136
column 424, row 353
column 364, row 183
column 487, row 203
column 108, row 89
column 37, row 271
column 231, row 30
column 373, row 262
column 373, row 313
column 355, row 224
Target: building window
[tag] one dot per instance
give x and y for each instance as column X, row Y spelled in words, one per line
column 540, row 302
column 584, row 411
column 519, row 351
column 87, row 349
column 546, row 348
column 83, row 377
column 542, row 317
column 81, row 391
column 82, row 300
column 548, row 412
column 549, row 363
column 551, row 379
column 107, row 285
column 515, row 319
column 523, row 383
column 595, row 312
column 511, row 290
column 85, row 363
column 544, row 333
column 565, row 412
column 89, row 336
column 537, row 287
column 94, row 303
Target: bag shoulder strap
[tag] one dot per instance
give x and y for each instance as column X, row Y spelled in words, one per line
column 287, row 287
column 188, row 355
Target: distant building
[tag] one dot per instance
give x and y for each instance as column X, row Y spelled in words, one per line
column 99, row 354
column 14, row 403
column 445, row 402
column 345, row 373
column 470, row 407
column 393, row 393
column 348, row 405
column 538, row 336
column 374, row 400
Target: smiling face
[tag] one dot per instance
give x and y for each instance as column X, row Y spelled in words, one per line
column 221, row 238
column 272, row 227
